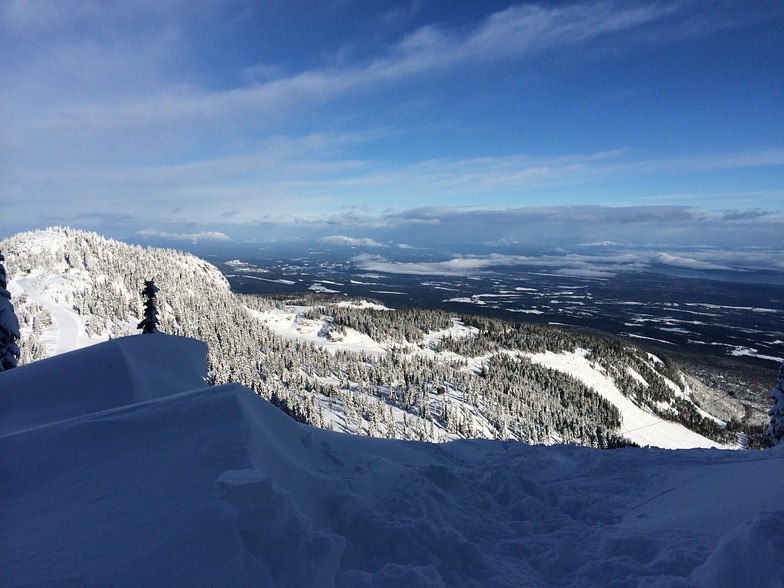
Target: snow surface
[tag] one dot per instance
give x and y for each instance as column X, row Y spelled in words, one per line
column 120, row 468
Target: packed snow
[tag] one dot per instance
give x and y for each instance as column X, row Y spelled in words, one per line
column 120, row 467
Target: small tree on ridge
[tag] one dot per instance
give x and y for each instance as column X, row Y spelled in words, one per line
column 149, row 323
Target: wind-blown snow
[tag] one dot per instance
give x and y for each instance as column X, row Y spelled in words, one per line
column 117, row 373
column 120, row 468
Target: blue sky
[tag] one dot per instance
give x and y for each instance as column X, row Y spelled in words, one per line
column 557, row 123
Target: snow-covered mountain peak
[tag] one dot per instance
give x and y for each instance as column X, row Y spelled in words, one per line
column 74, row 288
column 50, row 239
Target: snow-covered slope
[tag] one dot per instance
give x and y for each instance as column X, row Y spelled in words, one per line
column 638, row 425
column 82, row 288
column 142, row 476
column 380, row 377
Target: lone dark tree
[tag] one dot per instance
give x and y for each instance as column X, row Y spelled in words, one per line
column 9, row 325
column 149, row 323
column 775, row 430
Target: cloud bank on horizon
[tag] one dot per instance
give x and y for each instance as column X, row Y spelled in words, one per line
column 386, row 122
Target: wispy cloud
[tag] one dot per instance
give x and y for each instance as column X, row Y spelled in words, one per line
column 516, row 32
column 311, row 168
column 519, row 30
column 115, row 111
column 733, row 215
column 570, row 227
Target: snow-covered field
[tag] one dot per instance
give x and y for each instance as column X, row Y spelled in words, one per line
column 121, row 468
column 288, row 323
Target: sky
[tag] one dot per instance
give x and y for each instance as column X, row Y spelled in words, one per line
column 412, row 123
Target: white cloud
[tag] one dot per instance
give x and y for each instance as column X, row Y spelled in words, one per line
column 599, row 244
column 580, row 265
column 375, row 263
column 467, row 265
column 685, row 262
column 350, row 241
column 194, row 237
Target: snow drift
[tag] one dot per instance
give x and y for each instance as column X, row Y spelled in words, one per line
column 119, row 466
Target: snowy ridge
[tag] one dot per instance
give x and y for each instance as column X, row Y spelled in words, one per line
column 117, row 373
column 188, row 485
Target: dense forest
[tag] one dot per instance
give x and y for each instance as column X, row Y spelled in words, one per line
column 438, row 376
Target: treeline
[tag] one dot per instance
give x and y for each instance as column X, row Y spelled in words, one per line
column 385, row 326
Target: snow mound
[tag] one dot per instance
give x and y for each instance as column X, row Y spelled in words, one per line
column 169, row 482
column 106, row 376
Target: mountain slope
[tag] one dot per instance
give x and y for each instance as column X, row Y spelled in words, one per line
column 178, row 484
column 411, row 374
column 87, row 287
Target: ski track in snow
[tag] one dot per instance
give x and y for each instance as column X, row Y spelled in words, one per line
column 640, row 426
column 68, row 333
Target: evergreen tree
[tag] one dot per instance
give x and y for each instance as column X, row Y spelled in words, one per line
column 149, row 323
column 775, row 430
column 9, row 325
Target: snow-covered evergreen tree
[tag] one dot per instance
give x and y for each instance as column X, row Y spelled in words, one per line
column 9, row 325
column 149, row 323
column 775, row 430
